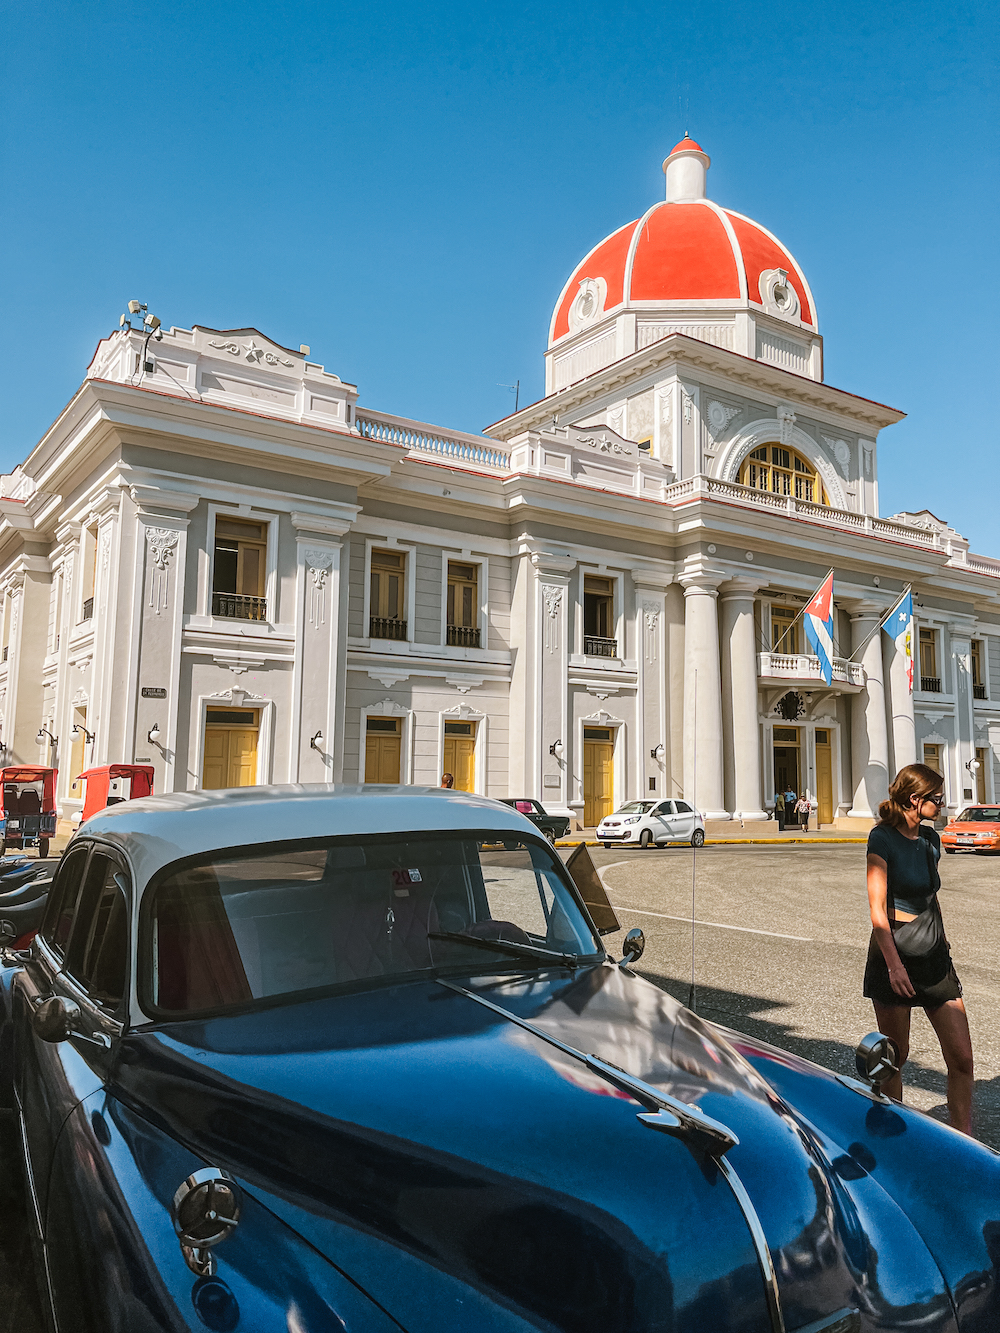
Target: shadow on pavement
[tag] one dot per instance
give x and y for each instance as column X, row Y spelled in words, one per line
column 759, row 1017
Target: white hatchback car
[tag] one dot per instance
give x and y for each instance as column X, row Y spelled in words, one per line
column 644, row 823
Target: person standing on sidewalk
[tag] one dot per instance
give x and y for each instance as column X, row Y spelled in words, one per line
column 779, row 810
column 909, row 959
column 803, row 810
column 790, row 816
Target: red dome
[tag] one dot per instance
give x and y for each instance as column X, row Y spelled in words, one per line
column 686, row 145
column 689, row 252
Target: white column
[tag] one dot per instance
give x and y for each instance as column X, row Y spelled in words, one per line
column 965, row 744
column 869, row 735
column 553, row 626
column 651, row 694
column 904, row 734
column 703, row 784
column 740, row 728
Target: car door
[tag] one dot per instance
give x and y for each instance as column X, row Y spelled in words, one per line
column 683, row 821
column 50, row 1078
column 661, row 821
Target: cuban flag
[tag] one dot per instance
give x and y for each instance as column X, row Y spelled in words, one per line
column 818, row 621
column 898, row 624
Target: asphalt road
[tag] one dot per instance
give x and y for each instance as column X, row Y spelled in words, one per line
column 780, row 942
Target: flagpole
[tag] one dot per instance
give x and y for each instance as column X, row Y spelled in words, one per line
column 882, row 619
column 792, row 623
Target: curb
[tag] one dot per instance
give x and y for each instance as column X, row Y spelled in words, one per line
column 720, row 842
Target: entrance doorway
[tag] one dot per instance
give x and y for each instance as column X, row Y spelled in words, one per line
column 230, row 748
column 824, row 777
column 598, row 774
column 383, row 741
column 460, row 753
column 787, row 767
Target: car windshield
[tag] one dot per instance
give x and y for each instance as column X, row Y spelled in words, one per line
column 283, row 920
column 635, row 808
column 980, row 814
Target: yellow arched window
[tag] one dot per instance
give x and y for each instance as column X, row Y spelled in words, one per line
column 783, row 472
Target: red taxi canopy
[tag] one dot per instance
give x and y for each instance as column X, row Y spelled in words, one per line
column 99, row 781
column 21, row 774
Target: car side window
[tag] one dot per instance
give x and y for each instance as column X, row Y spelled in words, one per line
column 98, row 952
column 64, row 900
column 664, row 808
column 682, row 807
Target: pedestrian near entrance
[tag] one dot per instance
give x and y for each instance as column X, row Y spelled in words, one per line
column 790, row 815
column 803, row 810
column 779, row 810
column 909, row 960
column 447, row 780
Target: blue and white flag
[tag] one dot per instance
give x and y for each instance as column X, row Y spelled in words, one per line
column 898, row 624
column 818, row 621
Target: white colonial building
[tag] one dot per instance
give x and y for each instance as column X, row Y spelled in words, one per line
column 217, row 562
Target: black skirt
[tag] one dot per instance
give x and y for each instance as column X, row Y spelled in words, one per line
column 936, row 983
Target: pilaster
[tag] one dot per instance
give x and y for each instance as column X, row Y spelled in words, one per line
column 869, row 736
column 741, row 729
column 550, row 710
column 703, row 763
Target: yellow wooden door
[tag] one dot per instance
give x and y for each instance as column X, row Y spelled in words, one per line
column 598, row 781
column 824, row 778
column 215, row 772
column 460, row 761
column 242, row 757
column 382, row 754
column 981, row 755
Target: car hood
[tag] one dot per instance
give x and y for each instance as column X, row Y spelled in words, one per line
column 973, row 826
column 412, row 1117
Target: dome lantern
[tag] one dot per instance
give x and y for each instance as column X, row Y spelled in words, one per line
column 685, row 169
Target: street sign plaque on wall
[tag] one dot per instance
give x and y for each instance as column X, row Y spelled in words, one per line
column 153, row 692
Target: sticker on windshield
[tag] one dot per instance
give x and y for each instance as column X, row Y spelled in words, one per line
column 401, row 879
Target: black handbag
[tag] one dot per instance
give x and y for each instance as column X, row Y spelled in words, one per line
column 921, row 943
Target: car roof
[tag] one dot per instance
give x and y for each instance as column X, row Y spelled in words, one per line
column 157, row 830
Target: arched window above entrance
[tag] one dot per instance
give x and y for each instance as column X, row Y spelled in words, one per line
column 772, row 467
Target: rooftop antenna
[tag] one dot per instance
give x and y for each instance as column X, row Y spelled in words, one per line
column 149, row 325
column 515, row 389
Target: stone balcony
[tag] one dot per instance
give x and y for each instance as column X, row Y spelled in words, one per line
column 801, row 671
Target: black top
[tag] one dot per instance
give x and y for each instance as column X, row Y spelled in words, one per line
column 911, row 873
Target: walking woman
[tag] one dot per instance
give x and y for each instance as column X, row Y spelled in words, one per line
column 909, row 961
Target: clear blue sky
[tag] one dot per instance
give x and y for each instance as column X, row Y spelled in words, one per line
column 406, row 187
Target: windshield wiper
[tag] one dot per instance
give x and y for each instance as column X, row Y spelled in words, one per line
column 507, row 946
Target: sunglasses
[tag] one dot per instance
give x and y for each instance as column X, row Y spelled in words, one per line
column 934, row 800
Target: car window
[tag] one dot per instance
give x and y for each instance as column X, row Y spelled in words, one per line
column 980, row 814
column 98, row 950
column 682, row 807
column 64, row 899
column 664, row 808
column 635, row 808
column 264, row 922
column 525, row 807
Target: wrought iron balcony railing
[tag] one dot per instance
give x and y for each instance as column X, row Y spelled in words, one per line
column 595, row 647
column 979, row 691
column 236, row 606
column 88, row 609
column 386, row 627
column 930, row 684
column 463, row 636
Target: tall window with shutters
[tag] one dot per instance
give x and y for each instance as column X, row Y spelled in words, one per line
column 239, row 569
column 930, row 680
column 387, row 595
column 463, row 605
column 782, row 472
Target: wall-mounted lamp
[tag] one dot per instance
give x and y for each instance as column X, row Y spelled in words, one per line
column 78, row 727
column 153, row 734
column 657, row 752
column 44, row 731
column 973, row 765
column 556, row 749
column 314, row 741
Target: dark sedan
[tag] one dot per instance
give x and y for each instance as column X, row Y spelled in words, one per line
column 376, row 1071
column 553, row 826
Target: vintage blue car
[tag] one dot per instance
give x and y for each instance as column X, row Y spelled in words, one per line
column 322, row 1058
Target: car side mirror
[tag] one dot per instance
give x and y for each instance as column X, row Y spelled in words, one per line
column 205, row 1210
column 632, row 946
column 56, row 1018
column 876, row 1059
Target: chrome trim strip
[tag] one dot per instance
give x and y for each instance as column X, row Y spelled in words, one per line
column 760, row 1245
column 847, row 1320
